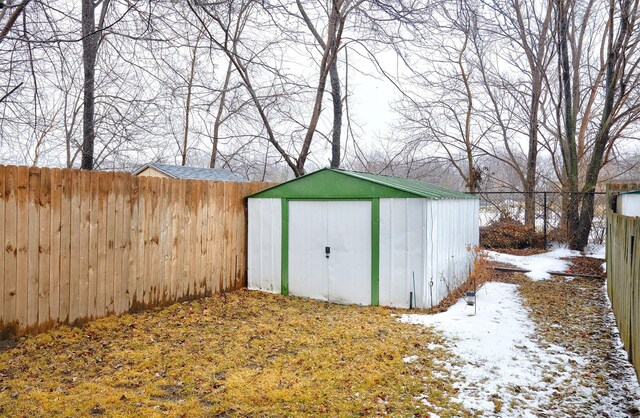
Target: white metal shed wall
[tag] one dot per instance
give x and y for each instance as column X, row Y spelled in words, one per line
column 264, row 244
column 402, row 249
column 452, row 226
column 629, row 204
column 427, row 239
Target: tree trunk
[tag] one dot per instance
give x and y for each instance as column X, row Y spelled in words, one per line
column 192, row 72
column 569, row 150
column 532, row 157
column 218, row 121
column 89, row 51
column 336, row 96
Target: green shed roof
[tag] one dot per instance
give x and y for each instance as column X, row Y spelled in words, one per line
column 341, row 184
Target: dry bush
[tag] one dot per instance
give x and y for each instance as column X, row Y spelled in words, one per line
column 481, row 273
column 507, row 232
column 557, row 235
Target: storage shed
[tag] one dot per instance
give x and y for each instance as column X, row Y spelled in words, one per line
column 351, row 237
column 629, row 203
column 186, row 172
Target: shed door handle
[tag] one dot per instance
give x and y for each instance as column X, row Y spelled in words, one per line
column 327, row 251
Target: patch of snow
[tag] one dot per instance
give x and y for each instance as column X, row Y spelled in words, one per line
column 502, row 371
column 410, row 359
column 596, row 251
column 604, row 266
column 539, row 264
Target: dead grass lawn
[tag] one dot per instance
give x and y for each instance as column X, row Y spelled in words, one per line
column 240, row 354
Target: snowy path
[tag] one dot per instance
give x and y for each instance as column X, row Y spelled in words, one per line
column 501, row 370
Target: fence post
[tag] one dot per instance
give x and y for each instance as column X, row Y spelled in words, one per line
column 544, row 220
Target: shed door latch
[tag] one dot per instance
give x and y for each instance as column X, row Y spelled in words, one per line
column 327, row 251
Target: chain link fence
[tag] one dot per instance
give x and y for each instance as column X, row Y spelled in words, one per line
column 508, row 208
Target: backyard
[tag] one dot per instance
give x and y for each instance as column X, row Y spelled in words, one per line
column 535, row 347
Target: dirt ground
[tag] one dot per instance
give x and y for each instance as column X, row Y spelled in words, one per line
column 242, row 354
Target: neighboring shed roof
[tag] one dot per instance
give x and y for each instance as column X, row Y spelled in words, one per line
column 341, row 184
column 192, row 173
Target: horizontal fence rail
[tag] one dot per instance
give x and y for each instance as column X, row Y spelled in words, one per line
column 623, row 273
column 79, row 245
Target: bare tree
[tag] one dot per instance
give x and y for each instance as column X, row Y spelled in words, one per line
column 618, row 109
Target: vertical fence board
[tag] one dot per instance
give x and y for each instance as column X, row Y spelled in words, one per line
column 197, row 242
column 193, row 239
column 175, row 206
column 65, row 244
column 54, row 253
column 3, row 322
column 218, row 235
column 148, row 261
column 126, row 241
column 109, row 282
column 133, row 241
column 210, row 220
column 101, row 210
column 166, row 238
column 22, row 241
column 9, row 248
column 117, row 243
column 202, row 238
column 155, row 239
column 140, row 262
column 74, row 278
column 44, row 247
column 93, row 288
column 84, row 251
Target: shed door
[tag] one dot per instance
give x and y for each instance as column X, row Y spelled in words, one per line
column 345, row 228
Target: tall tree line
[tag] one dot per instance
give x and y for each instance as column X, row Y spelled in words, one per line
column 516, row 94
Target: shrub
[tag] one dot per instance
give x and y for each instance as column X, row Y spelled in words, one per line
column 507, row 232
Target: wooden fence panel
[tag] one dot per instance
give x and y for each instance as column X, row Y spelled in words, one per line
column 623, row 280
column 78, row 245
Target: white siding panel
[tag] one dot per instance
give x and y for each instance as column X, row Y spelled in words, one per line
column 402, row 250
column 308, row 266
column 264, row 244
column 453, row 226
column 629, row 204
column 386, row 260
column 349, row 238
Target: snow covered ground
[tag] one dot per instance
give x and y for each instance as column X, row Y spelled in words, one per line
column 501, row 370
column 539, row 264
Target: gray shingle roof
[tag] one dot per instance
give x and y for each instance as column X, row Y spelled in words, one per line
column 193, row 173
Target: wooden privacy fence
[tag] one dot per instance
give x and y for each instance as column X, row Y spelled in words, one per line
column 623, row 274
column 80, row 245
